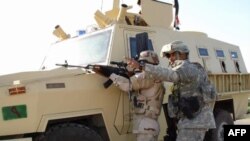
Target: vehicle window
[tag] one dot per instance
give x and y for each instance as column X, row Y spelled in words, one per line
column 203, row 52
column 134, row 48
column 220, row 53
column 234, row 55
column 92, row 49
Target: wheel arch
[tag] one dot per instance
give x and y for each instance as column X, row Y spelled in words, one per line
column 227, row 105
column 93, row 119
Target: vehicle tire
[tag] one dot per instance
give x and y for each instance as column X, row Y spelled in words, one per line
column 222, row 117
column 69, row 132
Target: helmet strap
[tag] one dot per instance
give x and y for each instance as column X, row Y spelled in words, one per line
column 187, row 55
column 177, row 55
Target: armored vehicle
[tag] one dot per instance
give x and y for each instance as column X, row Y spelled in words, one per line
column 70, row 102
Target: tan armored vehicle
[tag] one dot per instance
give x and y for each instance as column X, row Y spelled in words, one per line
column 61, row 103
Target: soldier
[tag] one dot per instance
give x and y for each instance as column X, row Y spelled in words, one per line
column 191, row 95
column 147, row 100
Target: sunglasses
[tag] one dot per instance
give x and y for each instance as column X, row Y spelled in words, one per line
column 168, row 55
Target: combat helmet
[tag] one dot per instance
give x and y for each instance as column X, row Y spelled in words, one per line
column 175, row 46
column 149, row 56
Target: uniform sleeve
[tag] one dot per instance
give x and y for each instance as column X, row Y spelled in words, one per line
column 121, row 82
column 141, row 81
column 160, row 73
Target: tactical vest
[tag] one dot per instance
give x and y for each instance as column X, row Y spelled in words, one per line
column 189, row 98
column 149, row 106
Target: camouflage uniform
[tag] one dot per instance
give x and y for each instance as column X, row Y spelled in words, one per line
column 188, row 76
column 147, row 103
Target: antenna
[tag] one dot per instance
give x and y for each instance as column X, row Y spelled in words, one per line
column 102, row 6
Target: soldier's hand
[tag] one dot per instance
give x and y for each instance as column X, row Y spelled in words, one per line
column 97, row 69
column 132, row 63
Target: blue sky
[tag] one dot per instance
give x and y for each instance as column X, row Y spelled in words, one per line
column 27, row 25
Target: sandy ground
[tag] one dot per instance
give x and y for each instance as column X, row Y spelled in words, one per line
column 245, row 121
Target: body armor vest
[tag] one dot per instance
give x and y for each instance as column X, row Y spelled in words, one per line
column 148, row 101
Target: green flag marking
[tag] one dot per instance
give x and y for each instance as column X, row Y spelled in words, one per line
column 14, row 112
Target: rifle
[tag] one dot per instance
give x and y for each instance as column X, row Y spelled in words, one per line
column 104, row 70
column 66, row 65
column 119, row 70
